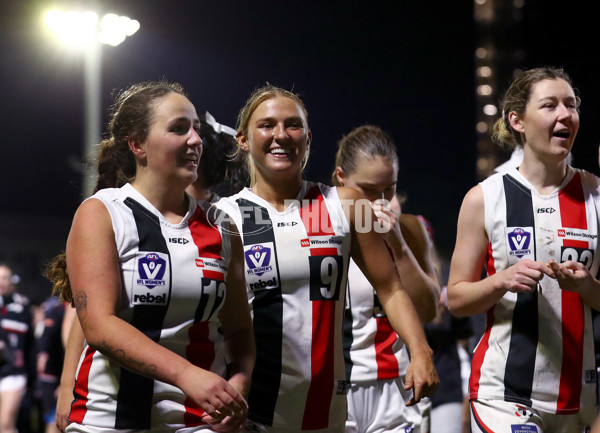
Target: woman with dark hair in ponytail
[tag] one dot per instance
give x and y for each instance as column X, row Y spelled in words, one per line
column 154, row 279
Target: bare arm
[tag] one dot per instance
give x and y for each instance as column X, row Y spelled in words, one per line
column 369, row 253
column 412, row 253
column 236, row 320
column 238, row 332
column 73, row 348
column 93, row 265
column 67, row 322
column 417, row 268
column 468, row 294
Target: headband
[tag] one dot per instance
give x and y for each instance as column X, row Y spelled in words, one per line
column 209, row 119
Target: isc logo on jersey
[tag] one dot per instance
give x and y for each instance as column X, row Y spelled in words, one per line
column 519, row 242
column 261, row 274
column 151, row 287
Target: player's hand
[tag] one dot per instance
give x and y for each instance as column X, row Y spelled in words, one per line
column 213, row 394
column 421, row 376
column 389, row 221
column 523, row 276
column 571, row 276
column 231, row 424
column 63, row 407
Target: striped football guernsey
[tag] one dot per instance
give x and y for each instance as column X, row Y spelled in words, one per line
column 372, row 349
column 296, row 267
column 173, row 289
column 537, row 348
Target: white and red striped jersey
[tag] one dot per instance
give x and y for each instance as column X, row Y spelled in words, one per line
column 173, row 289
column 537, row 348
column 296, row 264
column 372, row 349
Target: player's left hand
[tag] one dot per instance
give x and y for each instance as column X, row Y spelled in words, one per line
column 389, row 221
column 571, row 276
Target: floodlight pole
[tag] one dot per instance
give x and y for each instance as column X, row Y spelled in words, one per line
column 113, row 30
column 92, row 73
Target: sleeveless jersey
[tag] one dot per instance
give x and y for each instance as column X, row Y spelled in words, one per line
column 173, row 289
column 537, row 348
column 296, row 264
column 372, row 349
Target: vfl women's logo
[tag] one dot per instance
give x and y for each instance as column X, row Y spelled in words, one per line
column 519, row 241
column 151, row 270
column 258, row 259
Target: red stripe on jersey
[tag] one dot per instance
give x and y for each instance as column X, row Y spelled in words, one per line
column 573, row 215
column 201, row 352
column 479, row 356
column 213, row 275
column 385, row 337
column 491, row 267
column 320, row 391
column 483, row 345
column 572, row 356
column 572, row 205
column 314, row 214
column 575, row 243
column 206, row 237
column 81, row 391
column 315, row 218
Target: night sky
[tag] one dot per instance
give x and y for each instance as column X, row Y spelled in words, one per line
column 406, row 66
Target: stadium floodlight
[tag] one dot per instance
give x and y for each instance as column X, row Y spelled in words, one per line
column 84, row 30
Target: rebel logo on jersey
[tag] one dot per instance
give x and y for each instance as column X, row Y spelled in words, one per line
column 519, row 240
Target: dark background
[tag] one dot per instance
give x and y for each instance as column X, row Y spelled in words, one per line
column 406, row 66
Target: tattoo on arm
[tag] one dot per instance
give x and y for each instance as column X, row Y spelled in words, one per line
column 118, row 355
column 127, row 361
column 80, row 301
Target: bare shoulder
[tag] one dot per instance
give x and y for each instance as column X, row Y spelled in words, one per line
column 412, row 225
column 92, row 220
column 92, row 210
column 473, row 199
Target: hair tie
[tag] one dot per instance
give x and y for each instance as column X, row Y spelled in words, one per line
column 209, row 119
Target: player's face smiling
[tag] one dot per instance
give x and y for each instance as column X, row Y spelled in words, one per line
column 278, row 136
column 551, row 120
column 173, row 146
